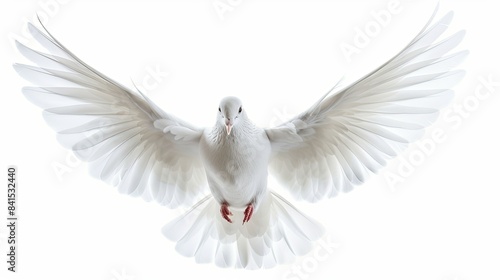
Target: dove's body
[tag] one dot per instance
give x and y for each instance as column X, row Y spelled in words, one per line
column 236, row 164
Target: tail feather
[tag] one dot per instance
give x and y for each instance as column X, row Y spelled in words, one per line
column 276, row 233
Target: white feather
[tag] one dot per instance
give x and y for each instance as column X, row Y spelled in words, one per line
column 276, row 234
column 352, row 132
column 112, row 127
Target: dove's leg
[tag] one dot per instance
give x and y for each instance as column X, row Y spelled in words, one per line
column 254, row 205
column 248, row 213
column 224, row 210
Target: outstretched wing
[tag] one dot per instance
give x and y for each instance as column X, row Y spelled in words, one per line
column 127, row 140
column 350, row 133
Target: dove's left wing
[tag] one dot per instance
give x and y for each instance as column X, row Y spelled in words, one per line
column 127, row 140
column 348, row 134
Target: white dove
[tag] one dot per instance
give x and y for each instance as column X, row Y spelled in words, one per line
column 349, row 133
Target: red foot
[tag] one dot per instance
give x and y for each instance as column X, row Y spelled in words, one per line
column 248, row 213
column 224, row 210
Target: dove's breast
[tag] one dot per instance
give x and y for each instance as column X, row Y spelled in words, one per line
column 236, row 165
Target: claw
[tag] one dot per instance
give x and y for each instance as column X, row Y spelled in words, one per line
column 248, row 213
column 224, row 210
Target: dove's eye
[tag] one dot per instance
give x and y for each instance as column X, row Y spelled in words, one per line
column 220, row 110
column 239, row 111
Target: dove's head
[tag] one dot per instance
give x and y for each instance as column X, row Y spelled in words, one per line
column 230, row 113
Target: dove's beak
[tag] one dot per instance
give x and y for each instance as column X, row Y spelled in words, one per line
column 229, row 126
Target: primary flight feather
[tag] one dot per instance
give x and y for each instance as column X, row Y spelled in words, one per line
column 349, row 133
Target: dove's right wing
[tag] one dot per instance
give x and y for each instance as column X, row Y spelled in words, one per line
column 350, row 133
column 127, row 140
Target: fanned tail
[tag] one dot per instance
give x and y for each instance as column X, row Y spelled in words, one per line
column 276, row 233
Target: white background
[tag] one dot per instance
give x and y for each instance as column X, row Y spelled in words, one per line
column 440, row 222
